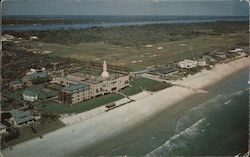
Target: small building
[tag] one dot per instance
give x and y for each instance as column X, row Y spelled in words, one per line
column 208, row 58
column 33, row 38
column 20, row 118
column 187, row 64
column 8, row 37
column 3, row 129
column 221, row 55
column 202, row 62
column 16, row 84
column 236, row 50
column 29, row 95
column 163, row 71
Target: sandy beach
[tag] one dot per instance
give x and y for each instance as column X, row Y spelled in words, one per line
column 83, row 134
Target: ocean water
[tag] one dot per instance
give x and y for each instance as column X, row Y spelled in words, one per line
column 213, row 124
column 83, row 22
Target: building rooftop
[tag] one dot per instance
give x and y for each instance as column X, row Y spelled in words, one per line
column 36, row 75
column 29, row 92
column 21, row 116
column 75, row 87
column 15, row 82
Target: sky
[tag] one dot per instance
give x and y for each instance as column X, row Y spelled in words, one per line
column 126, row 7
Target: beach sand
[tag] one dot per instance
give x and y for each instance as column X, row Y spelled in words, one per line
column 82, row 135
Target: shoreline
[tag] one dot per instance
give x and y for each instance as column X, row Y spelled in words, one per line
column 11, row 27
column 104, row 126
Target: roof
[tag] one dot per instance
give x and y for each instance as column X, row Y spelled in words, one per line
column 29, row 92
column 220, row 53
column 75, row 87
column 15, row 82
column 36, row 75
column 21, row 116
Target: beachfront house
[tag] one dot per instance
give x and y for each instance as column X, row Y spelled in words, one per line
column 202, row 62
column 187, row 64
column 33, row 38
column 237, row 50
column 221, row 55
column 20, row 118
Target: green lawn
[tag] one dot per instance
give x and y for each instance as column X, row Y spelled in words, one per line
column 27, row 133
column 79, row 107
column 145, row 83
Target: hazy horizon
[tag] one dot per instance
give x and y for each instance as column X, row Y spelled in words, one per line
column 125, row 7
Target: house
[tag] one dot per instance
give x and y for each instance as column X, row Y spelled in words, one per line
column 16, row 84
column 237, row 50
column 221, row 55
column 208, row 58
column 163, row 71
column 29, row 95
column 20, row 118
column 202, row 62
column 2, row 129
column 33, row 38
column 8, row 37
column 187, row 64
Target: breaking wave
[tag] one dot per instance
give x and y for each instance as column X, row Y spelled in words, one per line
column 172, row 143
column 198, row 112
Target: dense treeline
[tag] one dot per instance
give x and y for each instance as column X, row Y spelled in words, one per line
column 17, row 60
column 136, row 35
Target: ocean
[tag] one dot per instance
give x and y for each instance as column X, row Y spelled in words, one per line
column 213, row 124
column 84, row 22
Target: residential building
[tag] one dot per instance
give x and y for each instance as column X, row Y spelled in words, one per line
column 202, row 62
column 208, row 58
column 237, row 50
column 29, row 95
column 221, row 55
column 20, row 118
column 187, row 64
column 33, row 38
column 16, row 84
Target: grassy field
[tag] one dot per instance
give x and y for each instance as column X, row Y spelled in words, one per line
column 139, row 58
column 26, row 133
column 79, row 107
